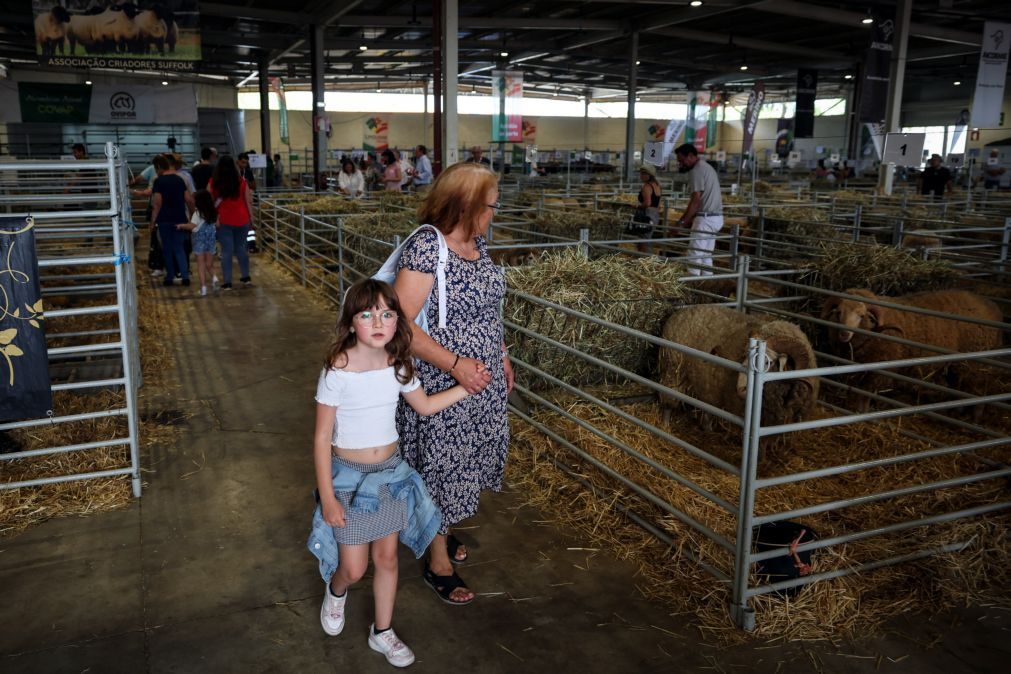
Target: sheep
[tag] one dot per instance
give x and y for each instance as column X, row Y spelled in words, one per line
column 947, row 333
column 723, row 332
column 153, row 28
column 51, row 30
column 919, row 241
column 172, row 37
column 86, row 29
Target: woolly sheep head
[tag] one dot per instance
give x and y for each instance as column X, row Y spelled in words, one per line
column 851, row 314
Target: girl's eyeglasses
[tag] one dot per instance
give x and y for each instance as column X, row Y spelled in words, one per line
column 386, row 316
column 496, row 206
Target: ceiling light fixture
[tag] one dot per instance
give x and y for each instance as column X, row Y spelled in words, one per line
column 958, row 83
column 695, row 3
column 363, row 47
column 744, row 66
column 847, row 76
column 164, row 83
column 87, row 81
column 638, row 62
column 503, row 54
column 867, row 20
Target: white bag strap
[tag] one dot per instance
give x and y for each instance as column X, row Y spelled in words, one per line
column 440, row 268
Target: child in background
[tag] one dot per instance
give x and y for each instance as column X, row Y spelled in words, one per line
column 368, row 496
column 203, row 229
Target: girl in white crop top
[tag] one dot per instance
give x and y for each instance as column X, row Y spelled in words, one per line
column 368, row 367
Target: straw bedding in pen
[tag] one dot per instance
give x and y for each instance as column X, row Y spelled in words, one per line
column 636, row 293
column 603, row 226
column 882, row 269
column 855, row 605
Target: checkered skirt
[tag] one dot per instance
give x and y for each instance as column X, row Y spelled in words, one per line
column 361, row 528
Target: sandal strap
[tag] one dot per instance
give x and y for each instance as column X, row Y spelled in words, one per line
column 447, row 583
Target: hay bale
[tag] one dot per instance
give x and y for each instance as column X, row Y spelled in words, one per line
column 882, row 269
column 567, row 223
column 637, row 293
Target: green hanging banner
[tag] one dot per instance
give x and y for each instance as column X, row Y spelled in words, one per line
column 277, row 86
column 60, row 103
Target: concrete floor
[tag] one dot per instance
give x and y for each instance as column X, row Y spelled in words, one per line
column 208, row 572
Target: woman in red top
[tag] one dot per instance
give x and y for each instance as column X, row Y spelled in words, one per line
column 235, row 213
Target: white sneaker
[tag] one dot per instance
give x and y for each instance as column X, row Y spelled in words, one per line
column 203, row 291
column 389, row 644
column 331, row 615
column 214, row 282
column 157, row 272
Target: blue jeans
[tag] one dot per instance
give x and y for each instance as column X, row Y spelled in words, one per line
column 233, row 242
column 172, row 248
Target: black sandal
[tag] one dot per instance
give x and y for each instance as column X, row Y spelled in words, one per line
column 444, row 586
column 453, row 544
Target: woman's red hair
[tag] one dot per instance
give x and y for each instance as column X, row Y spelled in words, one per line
column 458, row 198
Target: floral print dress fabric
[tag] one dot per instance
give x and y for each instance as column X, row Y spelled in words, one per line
column 461, row 450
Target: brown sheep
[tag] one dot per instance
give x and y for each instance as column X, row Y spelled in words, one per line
column 947, row 333
column 723, row 332
column 51, row 30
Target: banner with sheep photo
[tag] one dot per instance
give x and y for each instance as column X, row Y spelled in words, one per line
column 127, row 34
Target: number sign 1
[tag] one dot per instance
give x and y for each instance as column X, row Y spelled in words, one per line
column 903, row 149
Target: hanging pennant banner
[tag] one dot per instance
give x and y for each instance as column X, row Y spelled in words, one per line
column 755, row 101
column 698, row 112
column 807, row 90
column 877, row 71
column 673, row 131
column 714, row 106
column 377, row 130
column 277, row 86
column 24, row 361
column 989, row 96
column 529, row 126
column 507, row 97
column 164, row 36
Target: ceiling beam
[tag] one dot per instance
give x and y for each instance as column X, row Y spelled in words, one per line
column 256, row 14
column 692, row 35
column 805, row 10
column 481, row 23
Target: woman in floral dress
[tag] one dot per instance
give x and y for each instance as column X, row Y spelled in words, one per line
column 462, row 450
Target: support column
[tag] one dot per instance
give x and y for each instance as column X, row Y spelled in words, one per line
column 437, row 141
column 630, row 118
column 264, row 66
column 450, row 71
column 424, row 117
column 903, row 17
column 319, row 143
column 586, row 120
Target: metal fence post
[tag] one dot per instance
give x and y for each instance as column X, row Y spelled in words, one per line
column 1004, row 243
column 277, row 235
column 759, row 245
column 735, row 241
column 858, row 219
column 301, row 237
column 742, row 614
column 584, row 242
column 742, row 281
column 340, row 255
column 898, row 227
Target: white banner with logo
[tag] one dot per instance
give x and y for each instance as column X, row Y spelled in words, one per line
column 986, row 103
column 115, row 104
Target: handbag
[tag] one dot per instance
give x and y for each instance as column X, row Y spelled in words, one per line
column 640, row 225
column 388, row 274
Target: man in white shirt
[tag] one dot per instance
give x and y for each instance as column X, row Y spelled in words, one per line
column 704, row 214
column 422, row 169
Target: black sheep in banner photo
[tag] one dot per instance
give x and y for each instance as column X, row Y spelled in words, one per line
column 51, row 30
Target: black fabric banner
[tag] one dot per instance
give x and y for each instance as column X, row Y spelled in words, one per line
column 877, row 70
column 24, row 363
column 755, row 101
column 784, row 137
column 807, row 90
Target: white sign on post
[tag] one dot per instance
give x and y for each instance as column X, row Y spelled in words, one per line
column 653, row 153
column 721, row 155
column 834, row 157
column 903, row 149
column 257, row 160
column 992, row 161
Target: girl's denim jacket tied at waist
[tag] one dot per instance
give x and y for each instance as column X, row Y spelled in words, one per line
column 423, row 517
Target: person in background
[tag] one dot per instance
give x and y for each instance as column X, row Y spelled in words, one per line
column 350, row 180
column 176, row 163
column 234, row 200
column 935, row 180
column 202, row 227
column 392, row 175
column 406, row 171
column 823, row 172
column 278, row 171
column 422, row 169
column 477, row 156
column 80, row 152
column 245, row 171
column 461, row 451
column 169, row 202
column 649, row 201
column 204, row 169
column 992, row 172
column 704, row 213
column 155, row 256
